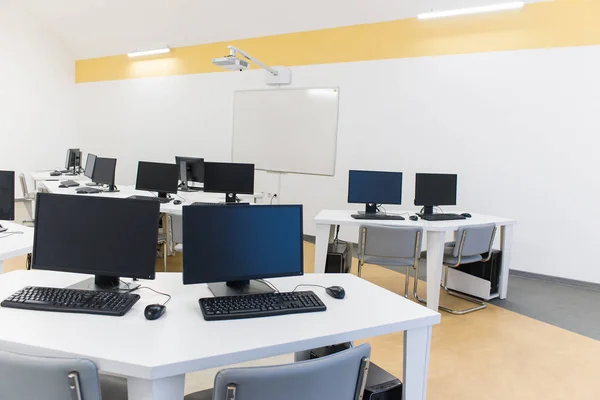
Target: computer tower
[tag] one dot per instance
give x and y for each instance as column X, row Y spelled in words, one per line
column 339, row 258
column 380, row 385
column 490, row 271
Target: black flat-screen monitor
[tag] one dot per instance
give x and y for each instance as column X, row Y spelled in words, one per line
column 157, row 177
column 242, row 243
column 194, row 169
column 7, row 195
column 89, row 165
column 106, row 237
column 373, row 188
column 435, row 190
column 73, row 159
column 229, row 178
column 104, row 172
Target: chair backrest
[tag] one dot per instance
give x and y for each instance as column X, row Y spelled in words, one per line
column 332, row 377
column 478, row 239
column 177, row 228
column 24, row 188
column 390, row 241
column 28, row 377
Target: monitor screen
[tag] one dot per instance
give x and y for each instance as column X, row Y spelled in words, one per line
column 435, row 189
column 157, row 177
column 229, row 178
column 236, row 243
column 194, row 168
column 89, row 165
column 375, row 187
column 104, row 170
column 96, row 235
column 73, row 158
column 7, row 195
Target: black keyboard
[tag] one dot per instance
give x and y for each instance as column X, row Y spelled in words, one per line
column 202, row 203
column 69, row 183
column 384, row 217
column 260, row 305
column 71, row 301
column 88, row 190
column 162, row 200
column 441, row 217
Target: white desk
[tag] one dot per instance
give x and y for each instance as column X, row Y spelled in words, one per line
column 435, row 232
column 155, row 355
column 43, row 176
column 125, row 191
column 14, row 245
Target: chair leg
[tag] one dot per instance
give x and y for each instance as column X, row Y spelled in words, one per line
column 406, row 282
column 165, row 255
column 416, row 284
column 360, row 264
column 480, row 305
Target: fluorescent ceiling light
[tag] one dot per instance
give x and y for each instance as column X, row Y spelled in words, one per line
column 473, row 10
column 149, row 52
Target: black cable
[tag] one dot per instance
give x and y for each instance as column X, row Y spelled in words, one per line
column 155, row 291
column 269, row 284
column 272, row 197
column 307, row 284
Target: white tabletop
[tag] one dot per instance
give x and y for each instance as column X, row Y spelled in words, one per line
column 45, row 176
column 344, row 217
column 13, row 245
column 182, row 341
column 125, row 191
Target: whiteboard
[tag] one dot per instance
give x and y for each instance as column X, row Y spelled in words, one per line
column 287, row 130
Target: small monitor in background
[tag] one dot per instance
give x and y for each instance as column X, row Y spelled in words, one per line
column 7, row 195
column 374, row 187
column 435, row 190
column 105, row 237
column 89, row 165
column 227, row 247
column 157, row 177
column 229, row 178
column 73, row 161
column 190, row 170
column 104, row 172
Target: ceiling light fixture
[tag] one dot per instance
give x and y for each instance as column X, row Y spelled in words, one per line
column 473, row 10
column 149, row 52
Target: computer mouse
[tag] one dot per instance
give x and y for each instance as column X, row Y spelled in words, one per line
column 466, row 215
column 55, row 173
column 154, row 311
column 177, row 202
column 413, row 218
column 337, row 292
column 62, row 186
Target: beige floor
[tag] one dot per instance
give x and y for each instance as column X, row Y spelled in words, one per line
column 492, row 354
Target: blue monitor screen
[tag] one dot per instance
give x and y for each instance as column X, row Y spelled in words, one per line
column 375, row 187
column 226, row 243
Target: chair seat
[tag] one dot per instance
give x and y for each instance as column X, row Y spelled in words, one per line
column 393, row 262
column 203, row 395
column 113, row 387
column 449, row 256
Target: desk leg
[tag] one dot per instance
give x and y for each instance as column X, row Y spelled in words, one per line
column 506, row 233
column 417, row 346
column 324, row 235
column 171, row 388
column 435, row 258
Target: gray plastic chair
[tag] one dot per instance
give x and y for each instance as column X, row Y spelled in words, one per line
column 339, row 376
column 27, row 377
column 27, row 200
column 390, row 246
column 473, row 242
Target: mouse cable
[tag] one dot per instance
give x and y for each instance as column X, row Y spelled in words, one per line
column 307, row 284
column 129, row 290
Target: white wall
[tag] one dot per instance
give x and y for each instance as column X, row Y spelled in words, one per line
column 520, row 129
column 37, row 77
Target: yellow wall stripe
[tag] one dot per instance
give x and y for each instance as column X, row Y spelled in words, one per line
column 539, row 25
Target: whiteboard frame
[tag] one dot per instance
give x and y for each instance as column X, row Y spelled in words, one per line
column 337, row 127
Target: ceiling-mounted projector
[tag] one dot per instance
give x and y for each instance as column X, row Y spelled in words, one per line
column 274, row 75
column 231, row 63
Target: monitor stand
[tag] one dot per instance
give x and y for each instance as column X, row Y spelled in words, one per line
column 230, row 198
column 238, row 288
column 162, row 195
column 427, row 210
column 370, row 209
column 71, row 172
column 111, row 189
column 93, row 184
column 101, row 283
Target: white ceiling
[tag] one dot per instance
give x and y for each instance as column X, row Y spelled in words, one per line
column 96, row 28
